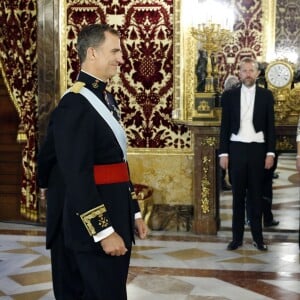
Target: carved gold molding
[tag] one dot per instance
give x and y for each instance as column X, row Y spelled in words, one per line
column 294, row 99
column 184, row 65
column 62, row 30
column 177, row 54
column 205, row 186
column 210, row 141
column 269, row 23
column 160, row 151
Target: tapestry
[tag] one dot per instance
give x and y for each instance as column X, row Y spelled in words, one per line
column 18, row 59
column 144, row 87
column 247, row 39
column 288, row 29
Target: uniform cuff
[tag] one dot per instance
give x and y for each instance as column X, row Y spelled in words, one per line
column 103, row 234
column 95, row 220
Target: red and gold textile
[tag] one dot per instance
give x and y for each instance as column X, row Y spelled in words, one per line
column 18, row 59
column 144, row 88
column 248, row 39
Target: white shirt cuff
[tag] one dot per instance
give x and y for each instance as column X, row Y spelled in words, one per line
column 109, row 230
column 223, row 154
column 271, row 153
column 103, row 234
column 138, row 215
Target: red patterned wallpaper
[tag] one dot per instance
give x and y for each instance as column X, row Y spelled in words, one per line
column 145, row 86
column 247, row 37
column 18, row 59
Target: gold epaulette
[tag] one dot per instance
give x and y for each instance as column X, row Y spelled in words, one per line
column 76, row 87
column 95, row 219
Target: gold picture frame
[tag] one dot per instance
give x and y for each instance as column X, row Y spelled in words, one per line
column 62, row 24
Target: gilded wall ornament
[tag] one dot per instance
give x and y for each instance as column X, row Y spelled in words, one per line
column 205, row 186
column 209, row 141
column 284, row 143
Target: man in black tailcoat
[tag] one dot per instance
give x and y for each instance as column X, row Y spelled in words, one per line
column 247, row 147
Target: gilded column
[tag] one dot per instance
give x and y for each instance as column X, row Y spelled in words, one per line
column 206, row 180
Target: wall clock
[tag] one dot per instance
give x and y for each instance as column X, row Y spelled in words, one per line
column 279, row 74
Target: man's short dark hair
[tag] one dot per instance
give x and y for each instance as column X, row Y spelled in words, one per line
column 92, row 36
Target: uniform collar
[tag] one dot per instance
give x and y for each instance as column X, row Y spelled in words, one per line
column 92, row 82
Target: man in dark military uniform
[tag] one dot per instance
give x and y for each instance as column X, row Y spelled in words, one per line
column 82, row 169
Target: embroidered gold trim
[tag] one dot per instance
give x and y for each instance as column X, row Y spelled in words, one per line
column 133, row 196
column 96, row 212
column 77, row 86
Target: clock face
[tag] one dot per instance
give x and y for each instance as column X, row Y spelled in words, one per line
column 279, row 75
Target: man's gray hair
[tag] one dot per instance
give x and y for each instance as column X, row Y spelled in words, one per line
column 251, row 61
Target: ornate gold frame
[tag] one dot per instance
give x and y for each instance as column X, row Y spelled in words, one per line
column 62, row 23
column 185, row 47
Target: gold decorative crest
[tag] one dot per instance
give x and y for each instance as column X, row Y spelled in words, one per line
column 209, row 141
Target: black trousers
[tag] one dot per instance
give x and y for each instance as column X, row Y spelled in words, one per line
column 268, row 192
column 87, row 275
column 246, row 167
column 267, row 198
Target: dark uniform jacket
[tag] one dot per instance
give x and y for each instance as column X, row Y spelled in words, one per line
column 77, row 139
column 263, row 117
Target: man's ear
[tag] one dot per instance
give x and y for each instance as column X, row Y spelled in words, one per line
column 90, row 53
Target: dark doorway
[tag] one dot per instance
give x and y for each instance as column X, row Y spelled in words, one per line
column 10, row 158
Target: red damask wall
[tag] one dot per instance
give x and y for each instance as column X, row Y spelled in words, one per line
column 247, row 38
column 144, row 88
column 18, row 61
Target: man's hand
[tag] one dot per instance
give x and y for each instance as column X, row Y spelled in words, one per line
column 269, row 161
column 113, row 245
column 224, row 162
column 141, row 228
